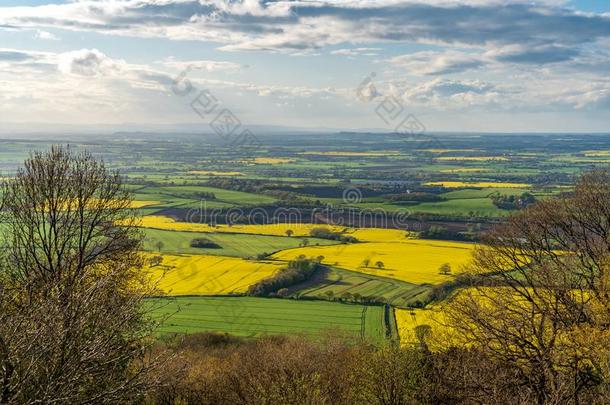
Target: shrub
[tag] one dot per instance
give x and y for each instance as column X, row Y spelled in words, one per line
column 325, row 233
column 204, row 243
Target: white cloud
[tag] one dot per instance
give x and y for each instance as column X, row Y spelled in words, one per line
column 45, row 35
column 353, row 52
column 438, row 63
column 206, row 65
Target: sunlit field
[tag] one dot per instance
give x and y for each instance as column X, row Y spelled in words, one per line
column 248, row 316
column 413, row 261
column 280, row 229
column 271, row 160
column 209, row 275
column 380, row 235
column 408, row 320
column 225, row 244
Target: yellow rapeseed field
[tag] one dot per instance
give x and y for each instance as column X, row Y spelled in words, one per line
column 414, row 261
column 166, row 223
column 298, row 229
column 409, row 319
column 201, row 275
column 380, row 235
column 141, row 204
column 271, row 161
column 482, row 184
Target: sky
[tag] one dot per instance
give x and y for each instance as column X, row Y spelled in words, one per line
column 468, row 65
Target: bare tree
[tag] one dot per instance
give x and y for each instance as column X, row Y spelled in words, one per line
column 548, row 313
column 73, row 324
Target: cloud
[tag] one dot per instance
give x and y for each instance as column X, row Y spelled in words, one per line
column 45, row 35
column 87, row 62
column 10, row 55
column 538, row 55
column 353, row 52
column 444, row 93
column 455, row 62
column 297, row 26
column 437, row 63
column 206, row 65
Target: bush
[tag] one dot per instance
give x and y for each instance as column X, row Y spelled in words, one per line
column 513, row 202
column 325, row 233
column 441, row 233
column 204, row 243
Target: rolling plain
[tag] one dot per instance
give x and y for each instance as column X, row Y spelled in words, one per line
column 390, row 222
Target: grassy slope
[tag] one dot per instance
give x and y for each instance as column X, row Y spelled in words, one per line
column 339, row 281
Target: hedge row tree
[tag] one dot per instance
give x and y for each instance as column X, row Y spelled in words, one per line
column 297, row 271
column 72, row 320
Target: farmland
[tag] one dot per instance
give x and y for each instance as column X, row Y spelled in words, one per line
column 238, row 245
column 209, row 275
column 217, row 220
column 414, row 261
column 407, row 320
column 348, row 285
column 257, row 316
column 276, row 229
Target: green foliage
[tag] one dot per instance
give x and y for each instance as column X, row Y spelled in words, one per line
column 325, row 233
column 204, row 243
column 298, row 271
column 442, row 233
column 445, row 269
column 513, row 202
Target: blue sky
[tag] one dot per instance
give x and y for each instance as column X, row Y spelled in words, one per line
column 471, row 65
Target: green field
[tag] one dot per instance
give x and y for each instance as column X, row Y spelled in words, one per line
column 339, row 282
column 221, row 195
column 248, row 316
column 187, row 197
column 236, row 245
